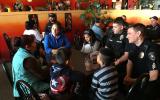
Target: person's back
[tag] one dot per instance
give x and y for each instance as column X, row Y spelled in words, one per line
column 64, row 81
column 31, row 30
column 105, row 80
column 21, row 69
column 97, row 29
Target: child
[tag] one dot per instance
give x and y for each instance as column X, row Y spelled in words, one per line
column 104, row 82
column 90, row 43
column 64, row 81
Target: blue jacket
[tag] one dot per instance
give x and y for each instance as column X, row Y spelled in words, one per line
column 50, row 42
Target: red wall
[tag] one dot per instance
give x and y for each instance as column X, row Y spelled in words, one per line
column 36, row 3
column 131, row 4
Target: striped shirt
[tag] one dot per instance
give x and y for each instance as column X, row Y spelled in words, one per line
column 104, row 83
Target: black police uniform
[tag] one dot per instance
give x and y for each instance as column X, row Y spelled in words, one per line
column 119, row 44
column 145, row 58
column 153, row 33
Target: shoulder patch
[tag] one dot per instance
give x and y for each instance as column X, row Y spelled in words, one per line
column 151, row 56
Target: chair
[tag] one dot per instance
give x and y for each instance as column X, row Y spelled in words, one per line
column 7, row 67
column 9, row 43
column 26, row 92
column 137, row 88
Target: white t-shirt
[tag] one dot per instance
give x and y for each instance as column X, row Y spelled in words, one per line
column 36, row 33
column 87, row 48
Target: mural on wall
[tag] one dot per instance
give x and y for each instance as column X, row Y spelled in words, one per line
column 68, row 22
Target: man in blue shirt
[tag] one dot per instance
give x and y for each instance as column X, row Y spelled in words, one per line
column 55, row 40
column 97, row 29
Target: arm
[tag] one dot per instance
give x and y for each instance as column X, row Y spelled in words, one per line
column 122, row 59
column 82, row 50
column 94, row 83
column 67, row 44
column 38, row 35
column 47, row 48
column 128, row 80
column 153, row 75
column 96, row 46
column 31, row 65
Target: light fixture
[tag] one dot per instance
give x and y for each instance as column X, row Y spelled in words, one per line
column 29, row 0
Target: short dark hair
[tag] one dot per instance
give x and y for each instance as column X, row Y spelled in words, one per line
column 139, row 27
column 119, row 20
column 107, row 56
column 62, row 55
column 27, row 40
column 29, row 25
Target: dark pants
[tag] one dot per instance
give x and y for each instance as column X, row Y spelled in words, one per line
column 121, row 74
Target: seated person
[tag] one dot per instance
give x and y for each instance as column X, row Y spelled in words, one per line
column 64, row 81
column 31, row 28
column 55, row 40
column 52, row 19
column 25, row 66
column 143, row 58
column 90, row 43
column 16, row 42
column 153, row 30
column 97, row 29
column 104, row 84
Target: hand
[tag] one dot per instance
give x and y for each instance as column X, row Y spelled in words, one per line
column 54, row 51
column 117, row 62
column 128, row 80
column 88, row 65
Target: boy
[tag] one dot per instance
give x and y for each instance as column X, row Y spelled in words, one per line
column 64, row 81
column 104, row 84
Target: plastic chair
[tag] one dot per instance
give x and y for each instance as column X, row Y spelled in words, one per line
column 26, row 92
column 7, row 68
column 137, row 88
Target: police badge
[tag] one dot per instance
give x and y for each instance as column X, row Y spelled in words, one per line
column 153, row 66
column 141, row 55
column 152, row 57
column 121, row 37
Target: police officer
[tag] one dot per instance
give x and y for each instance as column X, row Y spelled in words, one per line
column 154, row 29
column 117, row 41
column 142, row 59
column 51, row 21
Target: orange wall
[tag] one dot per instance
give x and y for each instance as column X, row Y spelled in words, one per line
column 13, row 23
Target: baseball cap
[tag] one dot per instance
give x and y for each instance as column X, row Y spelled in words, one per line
column 154, row 17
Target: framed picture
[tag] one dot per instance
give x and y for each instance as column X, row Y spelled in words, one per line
column 34, row 18
column 68, row 22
